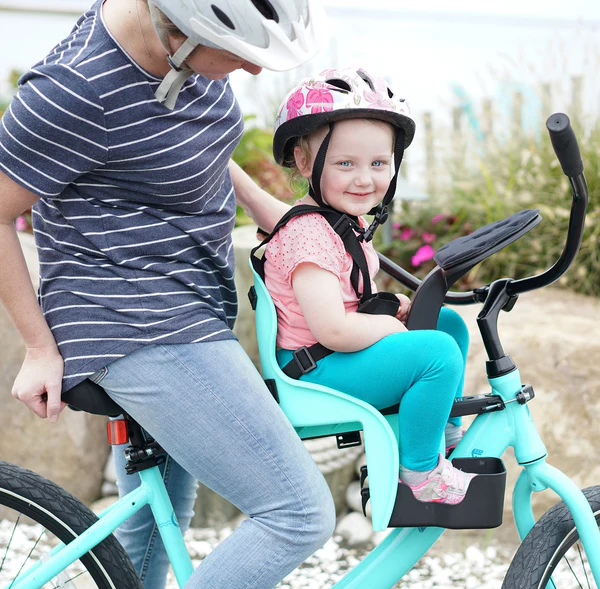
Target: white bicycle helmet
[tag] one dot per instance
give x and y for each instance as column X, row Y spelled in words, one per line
column 275, row 34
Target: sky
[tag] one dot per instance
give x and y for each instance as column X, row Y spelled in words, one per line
column 436, row 54
column 553, row 9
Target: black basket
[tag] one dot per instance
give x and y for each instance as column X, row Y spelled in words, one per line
column 481, row 508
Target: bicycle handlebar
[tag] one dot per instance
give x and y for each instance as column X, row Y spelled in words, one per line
column 565, row 144
column 412, row 282
column 567, row 151
column 568, row 154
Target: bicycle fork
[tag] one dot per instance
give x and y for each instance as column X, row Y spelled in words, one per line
column 538, row 475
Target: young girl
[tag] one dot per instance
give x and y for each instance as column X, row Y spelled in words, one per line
column 345, row 132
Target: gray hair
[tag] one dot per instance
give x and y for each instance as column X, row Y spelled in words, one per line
column 165, row 22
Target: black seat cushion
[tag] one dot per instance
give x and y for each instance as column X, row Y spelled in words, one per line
column 92, row 398
column 482, row 243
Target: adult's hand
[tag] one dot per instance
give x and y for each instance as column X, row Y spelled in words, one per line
column 39, row 382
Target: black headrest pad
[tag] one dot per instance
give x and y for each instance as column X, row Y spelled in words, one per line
column 484, row 241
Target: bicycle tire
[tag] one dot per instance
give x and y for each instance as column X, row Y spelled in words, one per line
column 65, row 517
column 547, row 543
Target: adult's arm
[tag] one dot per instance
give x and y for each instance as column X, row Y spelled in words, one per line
column 38, row 383
column 264, row 209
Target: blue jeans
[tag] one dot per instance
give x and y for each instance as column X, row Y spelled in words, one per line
column 208, row 407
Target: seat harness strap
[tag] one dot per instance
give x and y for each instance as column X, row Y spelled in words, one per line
column 381, row 303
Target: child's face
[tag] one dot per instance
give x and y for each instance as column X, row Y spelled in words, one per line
column 358, row 166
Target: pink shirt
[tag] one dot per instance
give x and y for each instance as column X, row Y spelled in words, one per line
column 308, row 238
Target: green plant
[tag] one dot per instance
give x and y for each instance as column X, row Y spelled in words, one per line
column 254, row 156
column 510, row 174
column 13, row 81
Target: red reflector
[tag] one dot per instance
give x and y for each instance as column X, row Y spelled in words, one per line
column 117, row 432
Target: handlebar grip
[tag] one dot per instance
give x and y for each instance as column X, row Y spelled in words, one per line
column 565, row 144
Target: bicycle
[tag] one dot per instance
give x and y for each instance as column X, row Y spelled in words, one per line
column 502, row 420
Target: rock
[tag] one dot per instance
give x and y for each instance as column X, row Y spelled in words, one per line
column 72, row 452
column 554, row 338
column 353, row 497
column 355, row 529
column 109, row 489
column 110, row 475
column 244, row 239
column 211, row 510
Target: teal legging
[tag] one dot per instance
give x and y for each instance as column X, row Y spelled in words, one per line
column 421, row 370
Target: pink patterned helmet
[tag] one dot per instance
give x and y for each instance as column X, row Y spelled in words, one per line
column 331, row 96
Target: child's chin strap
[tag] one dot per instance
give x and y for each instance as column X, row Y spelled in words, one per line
column 381, row 210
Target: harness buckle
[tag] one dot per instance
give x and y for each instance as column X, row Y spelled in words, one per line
column 173, row 64
column 349, row 225
column 304, row 360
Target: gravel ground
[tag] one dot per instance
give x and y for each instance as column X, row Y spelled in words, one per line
column 459, row 560
column 477, row 560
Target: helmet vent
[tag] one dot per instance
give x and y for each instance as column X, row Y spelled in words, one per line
column 266, row 9
column 340, row 85
column 390, row 93
column 223, row 17
column 366, row 78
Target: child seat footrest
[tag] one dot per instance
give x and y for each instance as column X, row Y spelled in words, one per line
column 481, row 508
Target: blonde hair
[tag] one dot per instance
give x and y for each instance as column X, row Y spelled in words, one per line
column 301, row 143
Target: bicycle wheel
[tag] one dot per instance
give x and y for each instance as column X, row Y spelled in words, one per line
column 36, row 515
column 552, row 549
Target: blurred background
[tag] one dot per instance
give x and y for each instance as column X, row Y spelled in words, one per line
column 481, row 79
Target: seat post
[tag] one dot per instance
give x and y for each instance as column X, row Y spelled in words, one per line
column 143, row 451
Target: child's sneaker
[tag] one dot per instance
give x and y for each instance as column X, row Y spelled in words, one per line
column 444, row 484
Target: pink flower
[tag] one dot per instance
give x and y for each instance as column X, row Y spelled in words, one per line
column 319, row 99
column 330, row 73
column 423, row 254
column 406, row 234
column 438, row 218
column 396, row 225
column 21, row 224
column 429, row 237
column 377, row 99
column 294, row 104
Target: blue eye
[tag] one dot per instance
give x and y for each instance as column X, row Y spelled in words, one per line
column 378, row 163
column 345, row 164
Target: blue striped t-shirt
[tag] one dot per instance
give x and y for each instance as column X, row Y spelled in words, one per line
column 136, row 202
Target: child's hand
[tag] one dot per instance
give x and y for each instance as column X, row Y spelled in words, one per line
column 404, row 308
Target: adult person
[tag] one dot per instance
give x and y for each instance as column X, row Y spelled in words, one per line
column 121, row 140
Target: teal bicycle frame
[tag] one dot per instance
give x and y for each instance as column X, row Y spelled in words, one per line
column 489, row 435
column 152, row 492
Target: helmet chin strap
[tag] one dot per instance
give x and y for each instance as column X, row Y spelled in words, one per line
column 381, row 210
column 315, row 183
column 169, row 89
